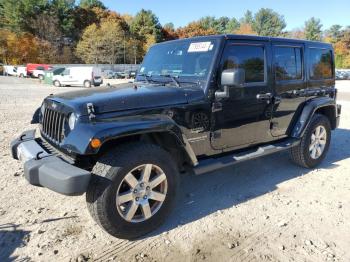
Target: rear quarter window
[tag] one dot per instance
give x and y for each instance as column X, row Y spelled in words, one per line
column 321, row 63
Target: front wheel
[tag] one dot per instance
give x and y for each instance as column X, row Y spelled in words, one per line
column 314, row 144
column 133, row 190
column 56, row 83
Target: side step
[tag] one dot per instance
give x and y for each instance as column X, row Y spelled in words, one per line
column 211, row 164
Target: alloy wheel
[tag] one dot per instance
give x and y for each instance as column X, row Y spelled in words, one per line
column 318, row 142
column 141, row 193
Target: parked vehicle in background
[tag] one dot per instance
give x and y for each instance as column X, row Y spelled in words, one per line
column 79, row 76
column 21, row 71
column 9, row 70
column 32, row 67
column 39, row 72
column 109, row 74
column 342, row 74
column 202, row 103
column 126, row 74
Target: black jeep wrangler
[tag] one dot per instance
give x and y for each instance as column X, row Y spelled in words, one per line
column 203, row 103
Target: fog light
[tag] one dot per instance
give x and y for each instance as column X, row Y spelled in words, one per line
column 95, row 143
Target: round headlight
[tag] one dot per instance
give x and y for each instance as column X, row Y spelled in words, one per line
column 42, row 109
column 71, row 121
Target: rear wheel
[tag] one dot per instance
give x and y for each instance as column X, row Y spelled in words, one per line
column 87, row 83
column 133, row 190
column 314, row 144
column 41, row 77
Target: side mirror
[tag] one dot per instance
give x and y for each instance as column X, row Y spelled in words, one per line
column 233, row 77
column 230, row 78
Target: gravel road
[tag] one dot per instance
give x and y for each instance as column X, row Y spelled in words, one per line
column 263, row 210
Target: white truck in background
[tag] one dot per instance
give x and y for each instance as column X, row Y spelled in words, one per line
column 86, row 76
column 21, row 71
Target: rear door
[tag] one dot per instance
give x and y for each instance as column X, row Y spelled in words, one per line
column 290, row 83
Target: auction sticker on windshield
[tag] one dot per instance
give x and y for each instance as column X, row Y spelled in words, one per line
column 199, row 47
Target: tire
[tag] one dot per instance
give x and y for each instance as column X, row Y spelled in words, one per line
column 41, row 77
column 87, row 83
column 56, row 83
column 109, row 177
column 302, row 154
column 21, row 75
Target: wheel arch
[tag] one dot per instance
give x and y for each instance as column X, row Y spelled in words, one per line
column 325, row 106
column 177, row 146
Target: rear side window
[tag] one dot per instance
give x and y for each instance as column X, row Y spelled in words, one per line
column 288, row 63
column 40, row 68
column 248, row 57
column 321, row 64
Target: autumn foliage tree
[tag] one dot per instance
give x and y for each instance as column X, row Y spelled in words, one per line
column 194, row 29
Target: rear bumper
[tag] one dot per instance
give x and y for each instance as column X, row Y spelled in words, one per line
column 46, row 170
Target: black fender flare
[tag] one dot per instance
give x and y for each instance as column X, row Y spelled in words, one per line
column 147, row 125
column 36, row 116
column 309, row 109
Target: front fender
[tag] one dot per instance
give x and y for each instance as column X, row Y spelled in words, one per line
column 78, row 141
column 308, row 111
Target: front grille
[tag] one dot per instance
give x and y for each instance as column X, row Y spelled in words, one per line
column 53, row 123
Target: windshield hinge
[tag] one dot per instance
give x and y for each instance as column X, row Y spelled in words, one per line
column 91, row 111
column 216, row 106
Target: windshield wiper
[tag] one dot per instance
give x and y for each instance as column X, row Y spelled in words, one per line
column 173, row 78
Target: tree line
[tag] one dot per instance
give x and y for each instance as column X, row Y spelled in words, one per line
column 64, row 31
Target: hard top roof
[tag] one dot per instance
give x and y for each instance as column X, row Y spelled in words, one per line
column 256, row 38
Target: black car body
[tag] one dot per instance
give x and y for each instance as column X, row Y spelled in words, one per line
column 218, row 100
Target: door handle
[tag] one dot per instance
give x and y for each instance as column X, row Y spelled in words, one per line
column 266, row 96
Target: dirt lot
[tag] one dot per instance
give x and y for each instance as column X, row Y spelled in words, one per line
column 263, row 210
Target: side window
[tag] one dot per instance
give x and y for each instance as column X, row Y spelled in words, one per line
column 40, row 68
column 288, row 63
column 321, row 64
column 66, row 72
column 251, row 58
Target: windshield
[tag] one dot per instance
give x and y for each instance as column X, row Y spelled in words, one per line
column 181, row 59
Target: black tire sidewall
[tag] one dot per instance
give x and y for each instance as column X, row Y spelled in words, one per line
column 317, row 120
column 116, row 175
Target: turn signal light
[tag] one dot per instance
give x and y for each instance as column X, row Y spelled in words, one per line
column 95, row 143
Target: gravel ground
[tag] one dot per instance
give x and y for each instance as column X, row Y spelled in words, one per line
column 263, row 210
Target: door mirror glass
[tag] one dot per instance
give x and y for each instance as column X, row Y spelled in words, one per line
column 233, row 77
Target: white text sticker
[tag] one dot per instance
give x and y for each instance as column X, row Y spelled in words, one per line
column 199, row 47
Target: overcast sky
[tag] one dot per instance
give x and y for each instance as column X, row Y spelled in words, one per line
column 181, row 12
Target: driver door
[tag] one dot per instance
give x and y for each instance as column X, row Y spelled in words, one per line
column 243, row 118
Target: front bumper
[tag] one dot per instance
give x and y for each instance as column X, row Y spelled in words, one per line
column 47, row 170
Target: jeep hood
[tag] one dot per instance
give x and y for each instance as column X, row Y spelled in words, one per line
column 127, row 97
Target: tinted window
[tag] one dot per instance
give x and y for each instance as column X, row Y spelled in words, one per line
column 320, row 64
column 288, row 64
column 40, row 68
column 250, row 58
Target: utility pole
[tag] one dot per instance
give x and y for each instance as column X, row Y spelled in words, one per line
column 124, row 49
column 135, row 54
